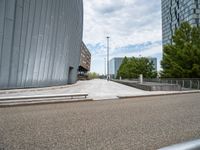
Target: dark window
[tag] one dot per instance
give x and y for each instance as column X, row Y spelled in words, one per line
column 177, row 3
column 197, row 21
column 197, row 4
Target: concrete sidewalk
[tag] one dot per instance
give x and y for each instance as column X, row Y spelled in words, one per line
column 96, row 89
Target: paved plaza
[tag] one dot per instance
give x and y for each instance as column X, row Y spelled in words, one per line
column 135, row 124
column 96, row 89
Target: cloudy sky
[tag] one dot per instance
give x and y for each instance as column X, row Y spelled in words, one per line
column 133, row 25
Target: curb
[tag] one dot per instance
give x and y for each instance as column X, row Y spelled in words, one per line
column 40, row 102
column 155, row 95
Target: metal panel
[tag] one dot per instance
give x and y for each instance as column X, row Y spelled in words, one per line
column 2, row 15
column 31, row 15
column 6, row 52
column 34, row 42
column 10, row 9
column 15, row 48
column 40, row 42
column 23, row 40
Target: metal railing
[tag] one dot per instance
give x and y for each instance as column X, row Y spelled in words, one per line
column 185, row 83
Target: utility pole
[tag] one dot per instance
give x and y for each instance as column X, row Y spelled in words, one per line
column 108, row 73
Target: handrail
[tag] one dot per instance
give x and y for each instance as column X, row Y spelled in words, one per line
column 44, row 96
column 191, row 145
column 185, row 83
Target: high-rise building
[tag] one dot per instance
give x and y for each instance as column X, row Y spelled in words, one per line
column 176, row 11
column 114, row 65
column 40, row 42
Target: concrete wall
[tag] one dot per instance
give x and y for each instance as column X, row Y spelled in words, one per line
column 39, row 42
column 150, row 86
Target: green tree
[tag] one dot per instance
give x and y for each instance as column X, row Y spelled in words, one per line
column 133, row 67
column 182, row 58
column 122, row 69
column 93, row 75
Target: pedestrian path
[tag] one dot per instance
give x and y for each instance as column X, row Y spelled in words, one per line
column 96, row 89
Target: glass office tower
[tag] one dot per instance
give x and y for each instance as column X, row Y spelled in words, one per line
column 176, row 11
column 115, row 64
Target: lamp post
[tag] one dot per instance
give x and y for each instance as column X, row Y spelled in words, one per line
column 108, row 73
column 105, row 67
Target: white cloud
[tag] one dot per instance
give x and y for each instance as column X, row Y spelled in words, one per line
column 127, row 22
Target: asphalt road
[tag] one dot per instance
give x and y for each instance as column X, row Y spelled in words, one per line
column 143, row 123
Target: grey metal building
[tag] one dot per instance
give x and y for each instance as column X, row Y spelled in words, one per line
column 176, row 11
column 39, row 42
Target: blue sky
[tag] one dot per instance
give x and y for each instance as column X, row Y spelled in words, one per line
column 133, row 25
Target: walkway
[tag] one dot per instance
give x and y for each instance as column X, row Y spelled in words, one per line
column 97, row 90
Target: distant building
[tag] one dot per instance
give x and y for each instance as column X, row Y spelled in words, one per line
column 115, row 63
column 153, row 60
column 85, row 62
column 176, row 11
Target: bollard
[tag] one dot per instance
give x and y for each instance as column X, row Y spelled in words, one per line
column 141, row 79
column 190, row 84
column 183, row 85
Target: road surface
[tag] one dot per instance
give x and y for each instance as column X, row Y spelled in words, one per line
column 142, row 123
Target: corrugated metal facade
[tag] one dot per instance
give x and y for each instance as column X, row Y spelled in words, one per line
column 39, row 42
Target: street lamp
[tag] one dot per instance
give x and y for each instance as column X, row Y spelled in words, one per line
column 108, row 73
column 105, row 67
